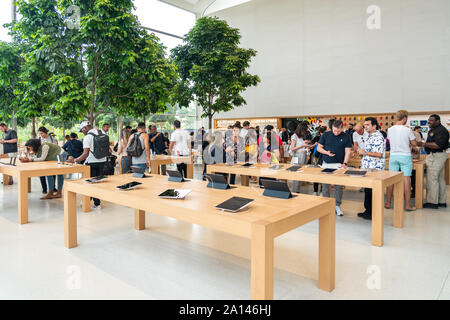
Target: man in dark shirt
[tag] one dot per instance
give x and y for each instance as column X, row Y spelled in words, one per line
column 9, row 142
column 436, row 147
column 335, row 147
column 350, row 131
column 156, row 140
column 73, row 147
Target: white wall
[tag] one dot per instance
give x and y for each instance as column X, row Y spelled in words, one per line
column 318, row 56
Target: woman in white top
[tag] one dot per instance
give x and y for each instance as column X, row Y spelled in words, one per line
column 298, row 151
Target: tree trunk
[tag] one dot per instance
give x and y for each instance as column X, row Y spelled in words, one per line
column 64, row 130
column 33, row 132
column 143, row 117
column 119, row 128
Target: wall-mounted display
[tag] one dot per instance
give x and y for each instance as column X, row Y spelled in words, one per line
column 423, row 123
column 414, row 123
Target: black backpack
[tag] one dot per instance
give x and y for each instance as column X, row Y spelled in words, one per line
column 135, row 148
column 101, row 145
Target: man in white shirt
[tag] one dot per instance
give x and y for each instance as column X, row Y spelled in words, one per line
column 180, row 145
column 359, row 137
column 244, row 130
column 97, row 165
column 401, row 139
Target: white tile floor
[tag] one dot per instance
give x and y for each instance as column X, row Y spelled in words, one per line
column 177, row 260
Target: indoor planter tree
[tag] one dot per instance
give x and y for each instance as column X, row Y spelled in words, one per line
column 105, row 60
column 212, row 67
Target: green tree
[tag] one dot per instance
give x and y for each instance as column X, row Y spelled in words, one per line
column 212, row 67
column 103, row 61
column 10, row 68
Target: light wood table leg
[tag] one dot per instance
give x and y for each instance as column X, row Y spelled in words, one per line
column 327, row 249
column 5, row 180
column 86, row 201
column 154, row 167
column 139, row 219
column 261, row 264
column 190, row 171
column 378, row 214
column 29, row 185
column 399, row 202
column 23, row 199
column 245, row 180
column 70, row 219
column 419, row 186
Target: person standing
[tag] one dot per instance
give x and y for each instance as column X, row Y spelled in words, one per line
column 45, row 151
column 73, row 147
column 180, row 145
column 125, row 161
column 44, row 136
column 373, row 158
column 401, row 140
column 95, row 151
column 359, row 138
column 284, row 135
column 139, row 159
column 9, row 142
column 298, row 150
column 436, row 147
column 350, row 131
column 156, row 140
column 244, row 130
column 335, row 147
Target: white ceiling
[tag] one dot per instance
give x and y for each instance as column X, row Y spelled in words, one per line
column 204, row 7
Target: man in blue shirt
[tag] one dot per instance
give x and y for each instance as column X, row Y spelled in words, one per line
column 335, row 146
column 74, row 147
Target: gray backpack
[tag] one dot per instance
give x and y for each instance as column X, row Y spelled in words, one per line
column 135, row 148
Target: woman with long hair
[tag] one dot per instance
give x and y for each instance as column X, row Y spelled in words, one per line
column 125, row 161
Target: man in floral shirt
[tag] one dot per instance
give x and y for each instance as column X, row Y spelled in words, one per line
column 373, row 158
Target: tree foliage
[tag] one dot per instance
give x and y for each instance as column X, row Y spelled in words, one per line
column 212, row 67
column 105, row 62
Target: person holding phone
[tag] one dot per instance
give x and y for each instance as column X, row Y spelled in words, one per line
column 336, row 147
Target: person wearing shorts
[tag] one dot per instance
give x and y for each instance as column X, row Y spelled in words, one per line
column 401, row 140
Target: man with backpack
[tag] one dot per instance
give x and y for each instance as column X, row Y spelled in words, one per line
column 95, row 152
column 139, row 148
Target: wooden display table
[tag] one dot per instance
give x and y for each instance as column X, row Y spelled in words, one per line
column 25, row 171
column 159, row 160
column 377, row 181
column 264, row 220
column 418, row 165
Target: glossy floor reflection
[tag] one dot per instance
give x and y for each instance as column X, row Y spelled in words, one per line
column 176, row 260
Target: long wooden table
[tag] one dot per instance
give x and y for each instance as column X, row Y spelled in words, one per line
column 377, row 181
column 25, row 171
column 418, row 166
column 159, row 160
column 264, row 220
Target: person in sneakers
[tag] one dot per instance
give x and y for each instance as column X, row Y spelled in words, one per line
column 44, row 151
column 373, row 158
column 97, row 164
column 335, row 147
column 402, row 140
column 436, row 147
